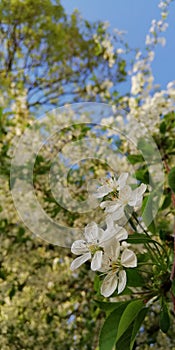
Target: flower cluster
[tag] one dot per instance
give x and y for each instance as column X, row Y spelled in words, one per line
column 107, row 249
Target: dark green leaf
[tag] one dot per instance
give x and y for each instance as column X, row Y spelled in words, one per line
column 128, row 316
column 135, row 158
column 148, row 213
column 124, row 342
column 134, row 279
column 171, row 179
column 163, row 127
column 126, row 291
column 108, row 306
column 109, row 330
column 137, row 324
column 138, row 238
column 166, row 202
column 164, row 319
column 173, row 287
column 142, row 175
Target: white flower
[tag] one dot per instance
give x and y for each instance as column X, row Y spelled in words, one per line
column 120, row 51
column 111, row 185
column 137, row 196
column 93, row 245
column 137, row 83
column 112, row 265
column 162, row 41
column 126, row 197
column 114, row 230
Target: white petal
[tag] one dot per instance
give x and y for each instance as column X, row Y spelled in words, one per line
column 137, row 194
column 138, row 204
column 91, row 232
column 125, row 194
column 79, row 261
column 111, row 253
column 122, row 180
column 121, row 281
column 102, row 191
column 96, row 260
column 132, row 202
column 112, row 249
column 79, row 247
column 141, row 189
column 128, row 258
column 109, row 222
column 110, row 206
column 110, row 230
column 109, row 285
column 121, row 233
column 118, row 214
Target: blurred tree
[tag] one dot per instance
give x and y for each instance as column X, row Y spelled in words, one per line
column 52, row 57
column 47, row 59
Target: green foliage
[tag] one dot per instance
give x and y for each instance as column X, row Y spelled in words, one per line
column 47, row 59
column 128, row 316
column 135, row 158
column 122, row 325
column 138, row 238
column 164, row 318
column 137, row 324
column 134, row 278
column 148, row 212
column 50, row 55
column 108, row 334
column 171, row 179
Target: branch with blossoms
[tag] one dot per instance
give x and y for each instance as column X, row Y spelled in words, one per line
column 140, row 272
column 108, row 249
column 133, row 252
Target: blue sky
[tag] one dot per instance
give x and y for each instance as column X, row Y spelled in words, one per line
column 135, row 17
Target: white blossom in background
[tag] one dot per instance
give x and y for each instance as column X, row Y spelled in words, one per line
column 146, row 104
column 107, row 46
column 113, row 265
column 119, row 51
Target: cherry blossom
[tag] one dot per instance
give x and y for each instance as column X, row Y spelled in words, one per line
column 93, row 245
column 113, row 266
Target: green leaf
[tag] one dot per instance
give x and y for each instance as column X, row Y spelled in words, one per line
column 148, row 213
column 138, row 238
column 135, row 158
column 173, row 287
column 108, row 306
column 128, row 316
column 124, row 342
column 171, row 179
column 137, row 324
column 126, row 291
column 163, row 127
column 109, row 330
column 164, row 319
column 166, row 202
column 142, row 175
column 97, row 283
column 134, row 279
